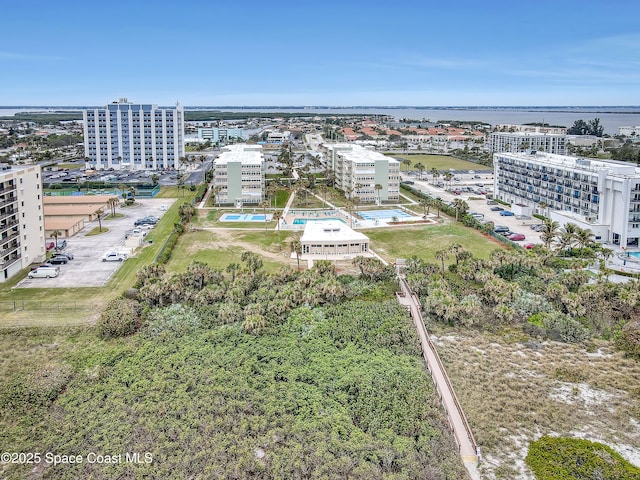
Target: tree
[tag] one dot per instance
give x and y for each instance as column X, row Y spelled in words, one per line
column 548, row 232
column 296, row 247
column 55, row 234
column 407, row 162
column 186, row 212
column 420, row 168
column 277, row 215
column 442, row 255
column 448, row 176
column 434, row 174
column 584, row 237
column 233, row 268
column 461, row 207
column 378, row 187
column 99, row 214
column 425, row 203
column 264, row 205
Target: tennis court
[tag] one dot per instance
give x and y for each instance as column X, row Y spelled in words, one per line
column 244, row 217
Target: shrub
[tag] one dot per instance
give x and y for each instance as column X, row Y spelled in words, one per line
column 38, row 389
column 563, row 328
column 562, row 458
column 629, row 339
column 173, row 321
column 120, row 318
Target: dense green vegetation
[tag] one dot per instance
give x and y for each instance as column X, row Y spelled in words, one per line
column 562, row 458
column 293, row 375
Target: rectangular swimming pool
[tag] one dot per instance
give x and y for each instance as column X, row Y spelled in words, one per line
column 383, row 214
column 303, row 221
column 244, row 217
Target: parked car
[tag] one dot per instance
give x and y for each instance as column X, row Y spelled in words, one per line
column 58, row 253
column 35, row 267
column 146, row 221
column 50, row 245
column 516, row 237
column 491, row 202
column 44, row 272
column 529, row 246
column 404, row 182
column 507, row 213
column 114, row 257
column 137, row 231
column 497, row 209
column 164, row 208
column 523, row 217
column 59, row 260
column 501, row 229
column 536, row 227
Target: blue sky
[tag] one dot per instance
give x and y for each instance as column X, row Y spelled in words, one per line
column 306, row 52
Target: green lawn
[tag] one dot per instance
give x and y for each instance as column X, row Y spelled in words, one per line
column 441, row 162
column 423, row 241
column 213, row 249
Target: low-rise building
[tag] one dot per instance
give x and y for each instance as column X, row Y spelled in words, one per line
column 332, row 240
column 239, row 175
column 363, row 173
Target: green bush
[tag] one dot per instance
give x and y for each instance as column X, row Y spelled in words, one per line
column 37, row 389
column 629, row 339
column 563, row 328
column 120, row 318
column 566, row 458
column 173, row 321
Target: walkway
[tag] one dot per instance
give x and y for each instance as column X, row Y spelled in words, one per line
column 469, row 451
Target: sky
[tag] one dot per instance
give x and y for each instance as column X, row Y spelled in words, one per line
column 330, row 53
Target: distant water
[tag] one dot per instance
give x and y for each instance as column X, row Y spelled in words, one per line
column 610, row 117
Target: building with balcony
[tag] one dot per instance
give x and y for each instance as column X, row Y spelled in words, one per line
column 239, row 175
column 22, row 235
column 525, row 141
column 128, row 136
column 220, row 134
column 602, row 195
column 332, row 240
column 358, row 170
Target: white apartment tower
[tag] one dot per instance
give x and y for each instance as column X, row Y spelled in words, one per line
column 525, row 141
column 22, row 236
column 239, row 175
column 358, row 170
column 128, row 136
column 602, row 195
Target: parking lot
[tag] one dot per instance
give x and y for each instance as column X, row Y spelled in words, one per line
column 87, row 269
column 479, row 204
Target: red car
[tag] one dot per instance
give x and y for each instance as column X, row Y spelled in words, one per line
column 50, row 245
column 529, row 246
column 516, row 237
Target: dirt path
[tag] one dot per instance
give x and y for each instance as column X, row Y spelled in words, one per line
column 225, row 238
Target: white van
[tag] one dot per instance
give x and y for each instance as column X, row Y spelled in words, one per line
column 44, row 272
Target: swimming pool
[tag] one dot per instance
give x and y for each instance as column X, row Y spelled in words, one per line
column 634, row 254
column 303, row 221
column 244, row 217
column 384, row 214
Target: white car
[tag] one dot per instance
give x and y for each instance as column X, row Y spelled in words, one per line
column 44, row 272
column 114, row 257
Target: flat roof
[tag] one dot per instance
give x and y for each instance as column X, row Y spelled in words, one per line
column 245, row 154
column 77, row 199
column 62, row 223
column 67, row 210
column 358, row 153
column 594, row 165
column 330, row 231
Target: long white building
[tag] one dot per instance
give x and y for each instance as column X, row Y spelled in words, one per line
column 239, row 175
column 602, row 195
column 523, row 141
column 22, row 235
column 128, row 136
column 358, row 170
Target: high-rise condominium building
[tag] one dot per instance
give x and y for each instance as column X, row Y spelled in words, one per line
column 359, row 170
column 239, row 175
column 22, row 236
column 524, row 141
column 128, row 136
column 601, row 195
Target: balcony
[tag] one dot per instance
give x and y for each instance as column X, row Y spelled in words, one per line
column 9, row 260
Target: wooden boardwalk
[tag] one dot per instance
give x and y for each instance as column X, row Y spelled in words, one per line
column 469, row 450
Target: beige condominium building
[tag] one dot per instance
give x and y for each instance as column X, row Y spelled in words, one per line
column 239, row 175
column 359, row 170
column 22, row 235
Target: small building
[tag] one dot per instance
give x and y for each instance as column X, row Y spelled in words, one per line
column 332, row 240
column 239, row 175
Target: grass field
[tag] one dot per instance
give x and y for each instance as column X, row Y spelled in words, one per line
column 424, row 240
column 441, row 162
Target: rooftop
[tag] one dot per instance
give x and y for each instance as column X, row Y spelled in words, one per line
column 330, row 231
column 614, row 167
column 242, row 153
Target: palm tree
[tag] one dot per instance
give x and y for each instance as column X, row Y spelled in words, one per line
column 568, row 235
column 425, row 203
column 264, row 205
column 434, row 174
column 407, row 162
column 378, row 187
column 99, row 213
column 216, row 191
column 420, row 168
column 548, row 232
column 543, row 207
column 233, row 268
column 584, row 237
column 461, row 207
column 55, row 234
column 277, row 215
column 448, row 176
column 442, row 255
column 296, row 247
